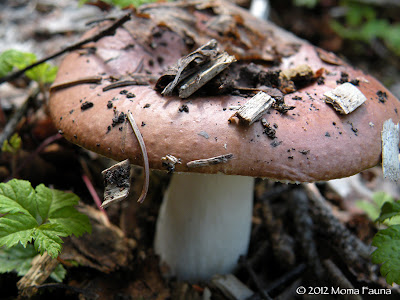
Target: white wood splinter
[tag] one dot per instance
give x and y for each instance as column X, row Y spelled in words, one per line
column 253, row 109
column 345, row 98
column 390, row 150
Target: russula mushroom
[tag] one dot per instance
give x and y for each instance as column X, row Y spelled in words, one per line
column 204, row 223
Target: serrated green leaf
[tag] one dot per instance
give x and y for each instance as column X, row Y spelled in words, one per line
column 387, row 253
column 56, row 199
column 47, row 238
column 16, row 228
column 389, row 210
column 43, row 214
column 19, row 259
column 72, row 221
column 21, row 192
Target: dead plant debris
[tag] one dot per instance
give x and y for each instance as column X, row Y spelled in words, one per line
column 221, row 159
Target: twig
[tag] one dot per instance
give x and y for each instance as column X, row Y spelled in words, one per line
column 351, row 250
column 221, row 159
column 65, row 84
column 146, row 168
column 337, row 279
column 134, row 79
column 12, row 123
column 93, row 193
column 284, row 280
column 110, row 30
column 87, row 293
column 119, row 84
column 304, row 226
column 254, row 278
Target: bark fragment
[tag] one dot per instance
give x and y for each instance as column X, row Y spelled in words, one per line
column 253, row 109
column 345, row 98
column 210, row 161
column 205, row 74
column 186, row 66
column 117, row 181
column 390, row 150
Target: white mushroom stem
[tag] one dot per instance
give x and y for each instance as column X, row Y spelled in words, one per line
column 204, row 224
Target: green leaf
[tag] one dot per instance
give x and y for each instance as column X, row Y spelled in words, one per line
column 59, row 273
column 43, row 73
column 12, row 145
column 47, row 238
column 16, row 228
column 10, row 59
column 72, row 221
column 373, row 210
column 43, row 215
column 19, row 259
column 22, row 193
column 387, row 253
column 389, row 210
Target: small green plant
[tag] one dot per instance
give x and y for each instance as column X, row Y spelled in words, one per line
column 12, row 145
column 361, row 23
column 121, row 3
column 306, row 3
column 39, row 216
column 14, row 59
column 387, row 241
column 19, row 259
column 373, row 209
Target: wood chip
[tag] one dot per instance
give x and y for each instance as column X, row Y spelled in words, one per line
column 117, row 180
column 345, row 98
column 232, row 287
column 328, row 57
column 169, row 161
column 253, row 109
column 186, row 66
column 205, row 74
column 42, row 267
column 300, row 72
column 210, row 161
column 390, row 150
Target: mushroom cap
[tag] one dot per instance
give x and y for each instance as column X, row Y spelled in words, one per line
column 313, row 141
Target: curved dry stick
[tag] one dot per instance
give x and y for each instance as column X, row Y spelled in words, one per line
column 109, row 30
column 146, row 168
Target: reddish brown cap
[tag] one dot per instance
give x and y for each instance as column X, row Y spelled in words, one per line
column 313, row 141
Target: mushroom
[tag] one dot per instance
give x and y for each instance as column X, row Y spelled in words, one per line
column 204, row 222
